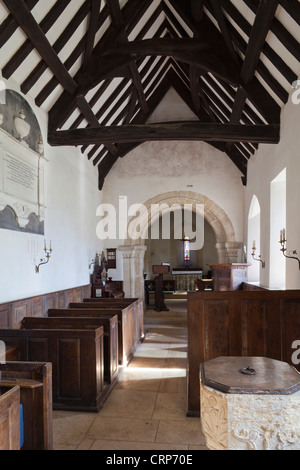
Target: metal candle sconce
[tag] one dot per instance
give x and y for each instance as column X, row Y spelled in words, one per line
column 282, row 241
column 44, row 260
column 96, row 260
column 263, row 264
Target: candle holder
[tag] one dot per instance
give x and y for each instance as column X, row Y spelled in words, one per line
column 263, row 263
column 96, row 260
column 44, row 260
column 283, row 248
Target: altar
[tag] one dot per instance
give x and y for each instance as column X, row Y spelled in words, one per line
column 185, row 279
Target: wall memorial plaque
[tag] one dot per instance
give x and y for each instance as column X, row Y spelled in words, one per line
column 21, row 168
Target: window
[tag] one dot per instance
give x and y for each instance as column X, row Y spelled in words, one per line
column 254, row 237
column 277, row 223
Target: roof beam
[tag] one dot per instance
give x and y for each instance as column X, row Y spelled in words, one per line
column 262, row 23
column 224, row 29
column 58, row 45
column 118, row 21
column 87, row 111
column 26, row 48
column 263, row 20
column 9, row 25
column 182, row 130
column 197, row 10
column 62, row 109
column 25, row 19
column 92, row 28
column 204, row 52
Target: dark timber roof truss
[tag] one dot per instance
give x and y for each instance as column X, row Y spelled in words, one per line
column 220, row 59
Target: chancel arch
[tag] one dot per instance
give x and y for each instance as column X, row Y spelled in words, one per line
column 228, row 248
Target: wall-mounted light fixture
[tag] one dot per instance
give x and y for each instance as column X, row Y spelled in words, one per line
column 48, row 252
column 282, row 241
column 263, row 264
column 97, row 259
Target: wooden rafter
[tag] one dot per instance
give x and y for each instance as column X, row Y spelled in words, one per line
column 224, row 28
column 27, row 47
column 118, row 21
column 9, row 25
column 92, row 28
column 58, row 45
column 25, row 19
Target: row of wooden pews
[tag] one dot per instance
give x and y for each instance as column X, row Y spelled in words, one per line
column 84, row 345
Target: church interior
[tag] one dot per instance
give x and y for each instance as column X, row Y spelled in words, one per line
column 149, row 225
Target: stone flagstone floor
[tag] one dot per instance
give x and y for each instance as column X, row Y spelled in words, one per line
column 146, row 409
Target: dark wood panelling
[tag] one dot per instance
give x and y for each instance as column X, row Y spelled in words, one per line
column 12, row 313
column 4, row 316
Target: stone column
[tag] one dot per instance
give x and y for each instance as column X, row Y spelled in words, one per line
column 222, row 253
column 138, row 271
column 127, row 275
column 133, row 270
column 233, row 251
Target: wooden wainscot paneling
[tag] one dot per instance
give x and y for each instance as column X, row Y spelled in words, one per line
column 12, row 313
column 49, row 302
column 37, row 307
column 4, row 316
column 20, row 309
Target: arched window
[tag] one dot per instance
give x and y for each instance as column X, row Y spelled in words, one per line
column 254, row 238
column 277, row 223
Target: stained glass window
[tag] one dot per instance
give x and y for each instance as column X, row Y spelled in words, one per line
column 186, row 249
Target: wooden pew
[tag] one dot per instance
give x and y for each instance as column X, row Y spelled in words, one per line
column 77, row 363
column 126, row 343
column 239, row 323
column 110, row 326
column 10, row 418
column 134, row 308
column 35, row 382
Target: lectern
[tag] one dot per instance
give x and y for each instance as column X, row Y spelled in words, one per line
column 160, row 269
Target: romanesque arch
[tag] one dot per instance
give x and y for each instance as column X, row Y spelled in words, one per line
column 133, row 250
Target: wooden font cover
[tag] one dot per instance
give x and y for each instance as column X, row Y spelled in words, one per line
column 253, row 375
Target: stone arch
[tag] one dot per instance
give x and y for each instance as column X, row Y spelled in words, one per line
column 133, row 249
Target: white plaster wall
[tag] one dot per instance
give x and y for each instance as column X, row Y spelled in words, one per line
column 267, row 163
column 71, row 197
